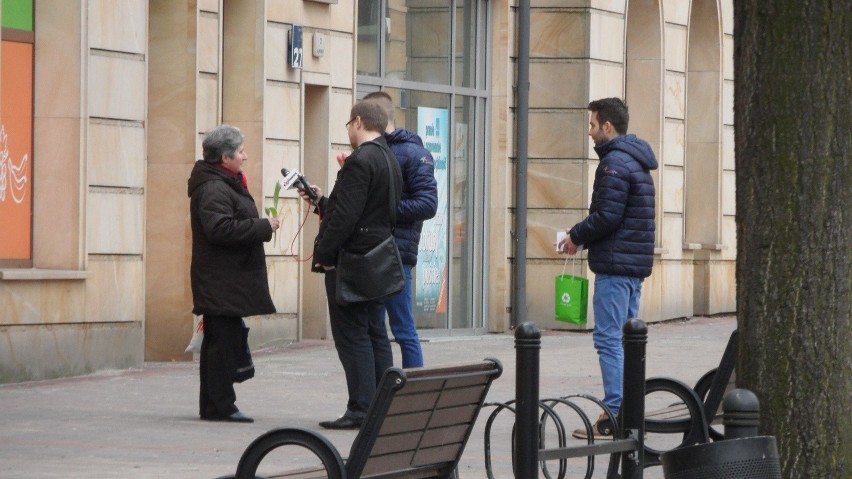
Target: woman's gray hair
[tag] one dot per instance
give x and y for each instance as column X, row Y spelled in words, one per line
column 221, row 140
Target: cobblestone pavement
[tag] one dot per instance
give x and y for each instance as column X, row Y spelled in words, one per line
column 143, row 423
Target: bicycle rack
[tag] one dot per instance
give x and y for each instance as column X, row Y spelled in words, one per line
column 529, row 452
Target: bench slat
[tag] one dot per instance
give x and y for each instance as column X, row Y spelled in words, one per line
column 457, row 397
column 679, row 411
column 417, row 421
column 426, row 472
column 430, row 455
column 412, row 440
column 484, row 368
column 408, row 459
column 411, row 459
column 437, row 384
column 442, row 399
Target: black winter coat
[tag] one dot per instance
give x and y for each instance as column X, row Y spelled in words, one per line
column 228, row 272
column 419, row 194
column 619, row 231
column 356, row 215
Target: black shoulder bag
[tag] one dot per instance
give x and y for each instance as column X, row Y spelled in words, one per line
column 377, row 274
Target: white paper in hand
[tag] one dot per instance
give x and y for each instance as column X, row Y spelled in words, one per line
column 561, row 235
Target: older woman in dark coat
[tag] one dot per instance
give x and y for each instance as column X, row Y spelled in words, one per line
column 228, row 272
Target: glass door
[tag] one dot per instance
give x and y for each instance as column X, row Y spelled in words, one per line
column 430, row 57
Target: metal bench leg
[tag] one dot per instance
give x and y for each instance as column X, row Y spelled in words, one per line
column 702, row 388
column 693, row 428
column 317, row 444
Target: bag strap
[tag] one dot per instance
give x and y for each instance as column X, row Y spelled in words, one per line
column 391, row 188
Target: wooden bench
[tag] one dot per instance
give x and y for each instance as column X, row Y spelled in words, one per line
column 417, row 427
column 700, row 407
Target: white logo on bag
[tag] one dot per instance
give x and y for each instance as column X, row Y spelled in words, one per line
column 566, row 298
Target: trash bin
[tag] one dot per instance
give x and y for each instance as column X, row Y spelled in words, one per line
column 748, row 458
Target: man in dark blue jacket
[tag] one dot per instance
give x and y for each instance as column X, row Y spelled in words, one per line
column 619, row 237
column 419, row 203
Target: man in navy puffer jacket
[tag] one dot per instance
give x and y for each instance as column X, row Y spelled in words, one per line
column 419, row 203
column 619, row 237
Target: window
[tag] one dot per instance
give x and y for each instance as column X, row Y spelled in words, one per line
column 16, row 133
column 430, row 57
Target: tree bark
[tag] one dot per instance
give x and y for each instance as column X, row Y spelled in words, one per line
column 793, row 135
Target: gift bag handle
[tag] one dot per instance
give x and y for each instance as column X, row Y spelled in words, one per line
column 573, row 266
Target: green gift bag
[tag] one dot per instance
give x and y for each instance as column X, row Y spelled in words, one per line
column 572, row 296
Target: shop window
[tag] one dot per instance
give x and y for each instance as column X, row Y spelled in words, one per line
column 369, row 36
column 16, row 133
column 430, row 57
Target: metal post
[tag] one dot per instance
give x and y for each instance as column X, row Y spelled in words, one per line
column 633, row 400
column 742, row 414
column 519, row 300
column 527, row 346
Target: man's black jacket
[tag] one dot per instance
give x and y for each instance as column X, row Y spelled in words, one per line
column 356, row 215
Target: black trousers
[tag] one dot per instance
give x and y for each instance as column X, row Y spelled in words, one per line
column 362, row 344
column 222, row 342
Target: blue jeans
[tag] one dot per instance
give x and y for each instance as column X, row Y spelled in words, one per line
column 616, row 300
column 401, row 319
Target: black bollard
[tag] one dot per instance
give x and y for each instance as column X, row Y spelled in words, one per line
column 742, row 414
column 633, row 397
column 527, row 346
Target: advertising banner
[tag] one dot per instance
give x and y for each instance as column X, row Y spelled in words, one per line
column 16, row 139
column 431, row 284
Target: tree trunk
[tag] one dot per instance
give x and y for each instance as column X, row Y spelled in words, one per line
column 793, row 133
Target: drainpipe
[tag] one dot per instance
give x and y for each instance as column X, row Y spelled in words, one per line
column 519, row 302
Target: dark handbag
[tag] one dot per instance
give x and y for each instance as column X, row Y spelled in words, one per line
column 375, row 275
column 245, row 366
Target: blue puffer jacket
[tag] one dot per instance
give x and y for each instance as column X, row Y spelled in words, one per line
column 420, row 194
column 619, row 231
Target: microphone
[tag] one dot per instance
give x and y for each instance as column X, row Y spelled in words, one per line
column 294, row 179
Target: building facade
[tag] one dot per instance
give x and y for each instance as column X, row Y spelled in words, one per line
column 103, row 104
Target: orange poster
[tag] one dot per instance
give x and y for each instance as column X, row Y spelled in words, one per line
column 16, row 139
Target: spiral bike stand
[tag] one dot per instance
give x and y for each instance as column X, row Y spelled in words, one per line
column 535, row 418
column 548, row 408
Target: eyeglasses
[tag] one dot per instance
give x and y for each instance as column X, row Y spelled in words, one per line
column 350, row 122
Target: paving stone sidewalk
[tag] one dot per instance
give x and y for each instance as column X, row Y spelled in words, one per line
column 143, row 423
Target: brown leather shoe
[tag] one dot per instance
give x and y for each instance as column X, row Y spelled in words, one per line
column 601, row 429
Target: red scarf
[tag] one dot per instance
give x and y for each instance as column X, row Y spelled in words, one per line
column 238, row 175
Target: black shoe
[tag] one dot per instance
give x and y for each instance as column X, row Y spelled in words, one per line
column 235, row 417
column 238, row 417
column 343, row 422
